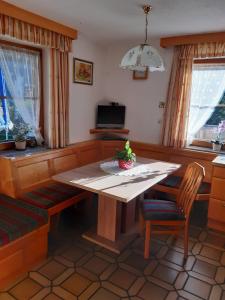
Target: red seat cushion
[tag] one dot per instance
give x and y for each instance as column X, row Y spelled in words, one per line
column 162, row 210
column 50, row 195
column 18, row 218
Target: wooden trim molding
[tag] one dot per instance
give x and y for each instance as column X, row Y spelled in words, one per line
column 37, row 20
column 192, row 39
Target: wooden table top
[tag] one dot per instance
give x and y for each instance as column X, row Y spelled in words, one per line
column 123, row 188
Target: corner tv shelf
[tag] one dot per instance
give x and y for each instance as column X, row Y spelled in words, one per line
column 107, row 130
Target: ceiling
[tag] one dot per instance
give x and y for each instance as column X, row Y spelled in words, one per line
column 107, row 21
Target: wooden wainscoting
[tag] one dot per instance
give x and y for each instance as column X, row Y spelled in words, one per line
column 24, row 173
column 182, row 156
column 21, row 174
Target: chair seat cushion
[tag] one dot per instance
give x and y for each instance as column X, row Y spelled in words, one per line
column 175, row 181
column 50, row 195
column 18, row 218
column 162, row 210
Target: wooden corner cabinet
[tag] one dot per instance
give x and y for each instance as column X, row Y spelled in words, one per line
column 216, row 211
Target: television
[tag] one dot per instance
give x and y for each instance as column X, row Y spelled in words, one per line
column 110, row 116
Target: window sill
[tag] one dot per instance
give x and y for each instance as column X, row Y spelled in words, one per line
column 12, row 153
column 205, row 149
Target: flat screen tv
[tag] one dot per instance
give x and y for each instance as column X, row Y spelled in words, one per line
column 110, row 116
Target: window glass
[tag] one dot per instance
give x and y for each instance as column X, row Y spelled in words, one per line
column 207, row 106
column 19, row 90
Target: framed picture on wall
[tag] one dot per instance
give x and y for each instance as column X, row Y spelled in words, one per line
column 82, row 71
column 140, row 75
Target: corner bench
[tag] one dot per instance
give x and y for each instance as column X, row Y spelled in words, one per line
column 54, row 197
column 23, row 237
column 172, row 183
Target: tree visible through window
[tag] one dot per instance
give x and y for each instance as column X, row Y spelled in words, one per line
column 19, row 90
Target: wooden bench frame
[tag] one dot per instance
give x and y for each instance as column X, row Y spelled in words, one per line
column 21, row 255
column 21, row 174
column 174, row 191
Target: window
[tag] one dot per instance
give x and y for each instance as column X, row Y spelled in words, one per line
column 20, row 78
column 207, row 107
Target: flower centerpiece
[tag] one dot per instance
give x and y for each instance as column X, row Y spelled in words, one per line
column 19, row 132
column 218, row 142
column 126, row 157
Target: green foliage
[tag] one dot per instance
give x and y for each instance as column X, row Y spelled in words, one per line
column 126, row 154
column 20, row 131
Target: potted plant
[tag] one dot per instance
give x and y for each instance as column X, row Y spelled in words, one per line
column 217, row 143
column 126, row 157
column 19, row 132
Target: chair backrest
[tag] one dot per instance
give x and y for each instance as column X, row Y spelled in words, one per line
column 189, row 187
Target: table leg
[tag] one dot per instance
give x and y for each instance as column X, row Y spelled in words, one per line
column 109, row 218
column 128, row 215
column 108, row 233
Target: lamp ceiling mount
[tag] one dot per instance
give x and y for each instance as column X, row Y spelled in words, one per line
column 143, row 56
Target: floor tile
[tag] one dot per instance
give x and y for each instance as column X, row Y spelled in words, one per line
column 80, row 270
column 52, row 297
column 6, row 296
column 74, row 253
column 26, row 289
column 76, row 284
column 175, row 257
column 204, row 268
column 223, row 296
column 103, row 294
column 211, row 253
column 137, row 261
column 151, row 291
column 52, row 269
column 197, row 287
column 96, row 265
column 122, row 278
column 215, row 239
column 166, row 274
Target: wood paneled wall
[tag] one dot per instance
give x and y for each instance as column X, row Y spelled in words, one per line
column 21, row 174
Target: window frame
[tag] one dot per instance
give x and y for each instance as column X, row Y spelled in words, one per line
column 10, row 144
column 199, row 142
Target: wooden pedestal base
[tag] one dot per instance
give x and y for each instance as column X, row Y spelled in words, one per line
column 117, row 246
column 113, row 233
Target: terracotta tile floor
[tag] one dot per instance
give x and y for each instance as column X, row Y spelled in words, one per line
column 77, row 269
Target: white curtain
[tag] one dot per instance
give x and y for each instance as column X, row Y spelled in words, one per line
column 208, row 85
column 21, row 72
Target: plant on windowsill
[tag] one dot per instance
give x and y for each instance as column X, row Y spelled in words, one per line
column 218, row 143
column 19, row 133
column 126, row 157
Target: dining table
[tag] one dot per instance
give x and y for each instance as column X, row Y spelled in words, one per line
column 118, row 191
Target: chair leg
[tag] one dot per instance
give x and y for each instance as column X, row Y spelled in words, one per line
column 186, row 238
column 147, row 239
column 141, row 223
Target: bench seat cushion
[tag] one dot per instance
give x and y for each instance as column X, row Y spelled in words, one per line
column 162, row 210
column 50, row 195
column 18, row 218
column 175, row 181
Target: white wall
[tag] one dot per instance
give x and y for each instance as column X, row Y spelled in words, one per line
column 141, row 97
column 84, row 98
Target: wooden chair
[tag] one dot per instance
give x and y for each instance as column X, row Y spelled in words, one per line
column 173, row 215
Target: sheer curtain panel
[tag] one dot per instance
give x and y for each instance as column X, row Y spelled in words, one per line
column 21, row 72
column 208, row 85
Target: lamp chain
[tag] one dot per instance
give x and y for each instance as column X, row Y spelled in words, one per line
column 146, row 28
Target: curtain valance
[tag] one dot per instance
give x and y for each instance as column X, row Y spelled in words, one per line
column 27, row 32
column 208, row 50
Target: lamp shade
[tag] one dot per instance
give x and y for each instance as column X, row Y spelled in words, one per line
column 141, row 57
